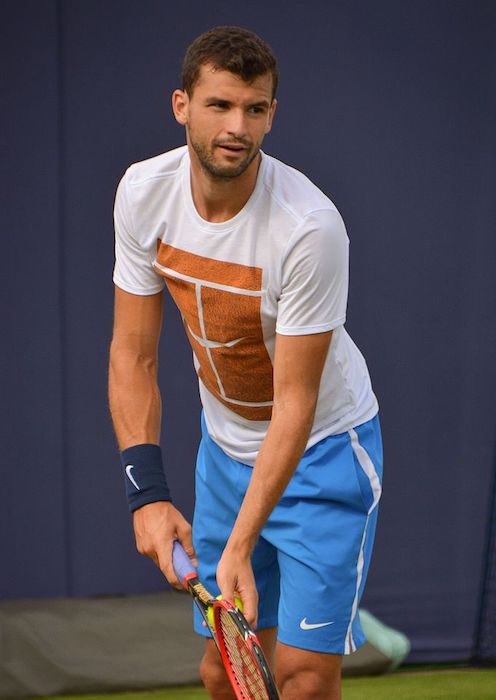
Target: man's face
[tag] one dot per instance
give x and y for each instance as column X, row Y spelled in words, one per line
column 226, row 120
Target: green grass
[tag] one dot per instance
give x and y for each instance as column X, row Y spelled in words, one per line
column 449, row 684
column 426, row 685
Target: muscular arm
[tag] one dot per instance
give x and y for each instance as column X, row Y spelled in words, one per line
column 298, row 365
column 134, row 395
column 135, row 406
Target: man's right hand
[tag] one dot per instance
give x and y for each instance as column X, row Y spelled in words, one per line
column 156, row 526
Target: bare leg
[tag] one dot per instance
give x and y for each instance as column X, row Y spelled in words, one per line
column 307, row 674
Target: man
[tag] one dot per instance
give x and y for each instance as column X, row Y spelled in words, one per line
column 289, row 467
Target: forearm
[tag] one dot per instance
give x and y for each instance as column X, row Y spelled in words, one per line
column 297, row 370
column 134, row 396
column 136, row 407
column 277, row 460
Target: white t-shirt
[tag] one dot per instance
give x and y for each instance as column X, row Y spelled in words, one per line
column 279, row 266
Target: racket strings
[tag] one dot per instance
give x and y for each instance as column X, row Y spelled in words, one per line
column 245, row 669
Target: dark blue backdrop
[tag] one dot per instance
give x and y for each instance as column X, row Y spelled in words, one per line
column 389, row 107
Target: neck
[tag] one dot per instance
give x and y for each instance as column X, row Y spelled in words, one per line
column 220, row 199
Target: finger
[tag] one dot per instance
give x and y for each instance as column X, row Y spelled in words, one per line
column 164, row 555
column 249, row 598
column 184, row 535
column 227, row 584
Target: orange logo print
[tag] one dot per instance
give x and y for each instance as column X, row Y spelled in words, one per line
column 220, row 306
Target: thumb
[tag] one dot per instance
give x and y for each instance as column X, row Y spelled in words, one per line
column 226, row 585
column 184, row 535
column 249, row 598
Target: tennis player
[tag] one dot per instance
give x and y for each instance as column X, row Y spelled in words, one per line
column 289, row 467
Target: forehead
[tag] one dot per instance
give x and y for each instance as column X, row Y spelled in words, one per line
column 222, row 83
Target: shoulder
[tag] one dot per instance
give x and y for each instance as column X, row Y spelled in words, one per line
column 313, row 215
column 295, row 192
column 158, row 168
column 148, row 185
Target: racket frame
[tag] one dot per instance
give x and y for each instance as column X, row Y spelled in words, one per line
column 202, row 598
column 188, row 577
column 252, row 645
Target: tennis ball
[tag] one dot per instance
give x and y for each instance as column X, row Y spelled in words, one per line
column 210, row 611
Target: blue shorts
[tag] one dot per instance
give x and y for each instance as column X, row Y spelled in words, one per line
column 313, row 554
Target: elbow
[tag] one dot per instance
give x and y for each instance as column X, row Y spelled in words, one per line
column 295, row 409
column 125, row 360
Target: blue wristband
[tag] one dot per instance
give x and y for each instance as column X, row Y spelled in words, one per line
column 144, row 475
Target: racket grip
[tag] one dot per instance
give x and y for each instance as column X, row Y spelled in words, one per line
column 183, row 566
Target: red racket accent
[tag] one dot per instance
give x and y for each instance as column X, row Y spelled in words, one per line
column 242, row 655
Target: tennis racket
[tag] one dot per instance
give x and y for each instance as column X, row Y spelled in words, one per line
column 240, row 650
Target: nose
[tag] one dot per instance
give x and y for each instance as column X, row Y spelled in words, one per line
column 236, row 123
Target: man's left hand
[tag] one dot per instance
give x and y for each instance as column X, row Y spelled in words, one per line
column 235, row 578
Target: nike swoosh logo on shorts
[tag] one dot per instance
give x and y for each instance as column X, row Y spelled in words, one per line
column 130, row 476
column 304, row 625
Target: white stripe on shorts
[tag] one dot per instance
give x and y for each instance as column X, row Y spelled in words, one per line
column 375, row 484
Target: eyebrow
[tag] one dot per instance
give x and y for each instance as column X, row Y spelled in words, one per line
column 260, row 103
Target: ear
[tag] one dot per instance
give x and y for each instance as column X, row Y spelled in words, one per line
column 180, row 103
column 270, row 118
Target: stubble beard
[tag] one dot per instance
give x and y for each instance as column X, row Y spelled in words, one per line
column 206, row 158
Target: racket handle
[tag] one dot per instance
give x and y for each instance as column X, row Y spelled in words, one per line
column 183, row 566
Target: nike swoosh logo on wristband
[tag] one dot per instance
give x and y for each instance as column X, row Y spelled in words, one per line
column 130, row 476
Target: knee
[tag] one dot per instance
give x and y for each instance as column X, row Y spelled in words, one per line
column 308, row 674
column 215, row 679
column 308, row 683
column 301, row 684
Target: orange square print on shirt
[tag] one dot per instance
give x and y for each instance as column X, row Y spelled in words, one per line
column 220, row 305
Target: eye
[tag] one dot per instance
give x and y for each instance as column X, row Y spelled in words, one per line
column 219, row 105
column 257, row 109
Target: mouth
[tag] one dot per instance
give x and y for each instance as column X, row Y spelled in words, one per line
column 232, row 148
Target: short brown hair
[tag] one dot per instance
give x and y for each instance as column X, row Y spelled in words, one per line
column 229, row 48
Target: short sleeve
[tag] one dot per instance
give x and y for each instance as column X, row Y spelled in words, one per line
column 133, row 271
column 314, row 276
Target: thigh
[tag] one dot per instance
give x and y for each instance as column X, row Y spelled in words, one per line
column 323, row 529
column 221, row 483
column 307, row 674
